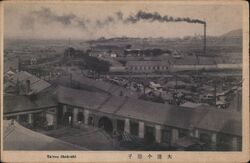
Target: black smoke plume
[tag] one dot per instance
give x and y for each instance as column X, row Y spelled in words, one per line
column 47, row 16
column 142, row 15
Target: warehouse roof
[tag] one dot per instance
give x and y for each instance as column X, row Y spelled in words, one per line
column 181, row 117
column 15, row 137
column 203, row 117
column 80, row 98
column 104, row 86
column 157, row 113
column 220, row 120
column 21, row 103
column 36, row 84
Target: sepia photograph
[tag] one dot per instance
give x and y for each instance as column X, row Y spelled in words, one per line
column 139, row 78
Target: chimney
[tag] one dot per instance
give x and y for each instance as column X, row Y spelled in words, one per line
column 205, row 38
column 28, row 87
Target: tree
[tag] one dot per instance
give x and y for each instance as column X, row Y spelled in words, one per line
column 128, row 46
column 94, row 64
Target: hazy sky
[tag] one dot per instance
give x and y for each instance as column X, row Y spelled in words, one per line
column 109, row 19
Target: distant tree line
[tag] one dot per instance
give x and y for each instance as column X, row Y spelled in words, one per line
column 87, row 61
column 95, row 64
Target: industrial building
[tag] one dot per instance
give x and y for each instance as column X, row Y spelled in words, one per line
column 147, row 66
column 167, row 125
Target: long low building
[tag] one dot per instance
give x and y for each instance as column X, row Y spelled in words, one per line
column 161, row 123
column 147, row 66
column 154, row 66
column 194, row 67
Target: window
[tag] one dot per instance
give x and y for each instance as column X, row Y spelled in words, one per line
column 183, row 133
column 206, row 138
column 80, row 117
column 134, row 128
column 166, row 136
column 91, row 120
column 149, row 134
column 120, row 125
column 23, row 118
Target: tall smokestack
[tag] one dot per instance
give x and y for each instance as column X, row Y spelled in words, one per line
column 205, row 38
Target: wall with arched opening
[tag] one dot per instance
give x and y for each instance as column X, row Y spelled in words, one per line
column 106, row 124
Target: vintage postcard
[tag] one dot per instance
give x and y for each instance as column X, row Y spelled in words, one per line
column 124, row 81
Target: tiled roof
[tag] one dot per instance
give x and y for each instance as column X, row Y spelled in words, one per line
column 203, row 117
column 17, row 137
column 36, row 84
column 21, row 103
column 80, row 98
column 225, row 121
column 104, row 86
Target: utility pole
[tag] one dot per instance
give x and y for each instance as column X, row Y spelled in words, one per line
column 19, row 64
column 145, row 83
column 215, row 90
column 70, row 79
column 176, row 83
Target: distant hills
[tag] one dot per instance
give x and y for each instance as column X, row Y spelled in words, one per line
column 233, row 33
column 237, row 33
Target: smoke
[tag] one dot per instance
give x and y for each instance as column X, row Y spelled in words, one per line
column 113, row 19
column 27, row 23
column 108, row 20
column 119, row 15
column 142, row 15
column 146, row 16
column 47, row 16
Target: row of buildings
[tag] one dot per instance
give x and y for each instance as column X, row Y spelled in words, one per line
column 154, row 66
column 164, row 124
